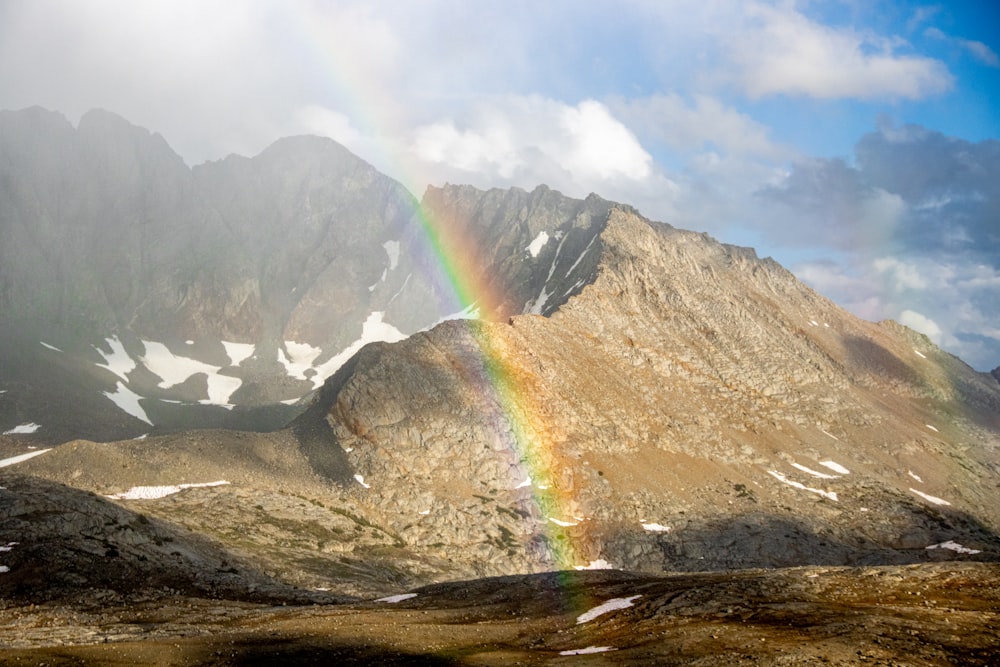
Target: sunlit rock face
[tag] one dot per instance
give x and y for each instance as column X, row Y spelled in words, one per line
column 221, row 295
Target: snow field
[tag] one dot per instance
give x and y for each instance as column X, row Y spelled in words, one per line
column 538, row 243
column 155, row 492
column 599, row 564
column 931, row 499
column 954, row 546
column 393, row 599
column 588, row 650
column 607, row 607
column 22, row 457
column 832, row 495
column 23, row 429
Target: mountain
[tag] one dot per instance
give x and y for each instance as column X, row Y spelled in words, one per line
column 632, row 396
column 142, row 295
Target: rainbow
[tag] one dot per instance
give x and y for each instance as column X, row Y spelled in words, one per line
column 458, row 255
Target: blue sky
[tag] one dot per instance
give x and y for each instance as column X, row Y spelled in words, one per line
column 854, row 141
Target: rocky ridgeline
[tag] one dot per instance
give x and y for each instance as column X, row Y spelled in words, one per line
column 141, row 295
column 644, row 398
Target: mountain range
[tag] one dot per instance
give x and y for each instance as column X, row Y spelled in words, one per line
column 282, row 378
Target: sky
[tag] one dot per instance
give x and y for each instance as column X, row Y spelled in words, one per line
column 855, row 141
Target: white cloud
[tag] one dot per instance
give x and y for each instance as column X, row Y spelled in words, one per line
column 921, row 323
column 527, row 140
column 706, row 121
column 784, row 52
column 905, row 276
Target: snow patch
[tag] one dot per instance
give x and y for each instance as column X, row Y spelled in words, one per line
column 238, row 352
column 23, row 429
column 297, row 358
column 655, row 528
column 914, row 476
column 832, row 495
column 835, row 467
column 128, row 401
column 932, row 428
column 118, row 361
column 524, row 484
column 582, row 255
column 564, row 524
column 22, row 457
column 599, row 564
column 154, row 492
column 536, row 246
column 588, row 650
column 814, row 473
column 393, row 599
column 922, row 356
column 829, row 434
column 4, row 569
column 374, row 330
column 392, row 250
column 954, row 546
column 930, row 499
column 174, row 369
column 51, row 347
column 361, row 480
column 609, row 606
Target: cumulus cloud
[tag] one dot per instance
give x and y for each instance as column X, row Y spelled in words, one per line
column 976, row 49
column 920, row 212
column 515, row 139
column 785, row 52
column 703, row 123
column 827, row 202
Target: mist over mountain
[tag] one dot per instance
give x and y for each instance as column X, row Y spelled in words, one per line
column 219, row 295
column 327, row 418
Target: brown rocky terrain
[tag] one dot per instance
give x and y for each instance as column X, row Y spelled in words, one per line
column 687, row 407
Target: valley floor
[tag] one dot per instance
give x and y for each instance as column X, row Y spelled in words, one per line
column 929, row 614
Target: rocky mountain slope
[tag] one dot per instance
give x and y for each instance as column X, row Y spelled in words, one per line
column 157, row 296
column 633, row 397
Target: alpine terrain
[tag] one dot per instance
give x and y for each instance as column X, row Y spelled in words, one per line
column 275, row 409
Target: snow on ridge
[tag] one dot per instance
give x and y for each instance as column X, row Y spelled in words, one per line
column 538, row 243
column 814, row 473
column 609, row 606
column 128, row 401
column 155, row 492
column 22, row 457
column 23, row 429
column 393, row 599
column 929, row 498
column 835, row 467
column 238, row 352
column 118, row 361
column 392, row 250
column 374, row 330
column 954, row 546
column 599, row 564
column 832, row 495
column 582, row 255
